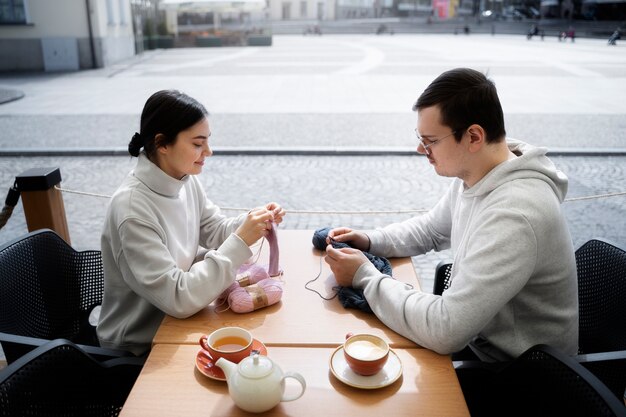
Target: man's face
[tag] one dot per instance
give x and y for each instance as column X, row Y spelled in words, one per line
column 438, row 143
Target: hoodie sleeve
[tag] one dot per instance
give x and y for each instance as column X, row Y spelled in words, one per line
column 495, row 269
column 417, row 235
column 149, row 270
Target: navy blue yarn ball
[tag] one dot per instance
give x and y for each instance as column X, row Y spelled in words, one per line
column 348, row 296
column 319, row 242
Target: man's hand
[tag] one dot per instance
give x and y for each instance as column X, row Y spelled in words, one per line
column 354, row 238
column 344, row 263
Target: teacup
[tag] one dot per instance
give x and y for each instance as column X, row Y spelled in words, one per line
column 230, row 343
column 366, row 354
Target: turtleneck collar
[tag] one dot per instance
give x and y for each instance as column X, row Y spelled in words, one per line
column 155, row 179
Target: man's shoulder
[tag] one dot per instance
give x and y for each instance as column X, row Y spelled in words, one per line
column 529, row 197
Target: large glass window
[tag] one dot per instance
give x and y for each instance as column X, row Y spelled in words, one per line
column 12, row 11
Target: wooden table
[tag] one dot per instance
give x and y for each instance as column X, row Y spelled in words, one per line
column 170, row 385
column 301, row 318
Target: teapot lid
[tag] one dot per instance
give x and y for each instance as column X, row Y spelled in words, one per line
column 256, row 366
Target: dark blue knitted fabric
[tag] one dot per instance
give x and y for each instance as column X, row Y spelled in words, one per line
column 351, row 297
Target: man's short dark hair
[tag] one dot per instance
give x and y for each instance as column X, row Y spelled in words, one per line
column 465, row 97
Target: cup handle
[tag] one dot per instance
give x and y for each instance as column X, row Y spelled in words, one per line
column 349, row 335
column 203, row 342
column 298, row 378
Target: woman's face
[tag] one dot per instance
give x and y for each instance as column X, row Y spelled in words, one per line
column 185, row 156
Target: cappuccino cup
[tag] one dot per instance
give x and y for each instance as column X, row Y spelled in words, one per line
column 230, row 343
column 366, row 354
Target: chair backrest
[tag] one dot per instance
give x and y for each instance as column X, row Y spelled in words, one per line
column 443, row 273
column 59, row 379
column 48, row 289
column 544, row 381
column 601, row 270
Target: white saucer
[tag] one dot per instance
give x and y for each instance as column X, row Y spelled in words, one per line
column 387, row 376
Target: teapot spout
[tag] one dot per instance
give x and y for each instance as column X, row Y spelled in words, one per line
column 227, row 366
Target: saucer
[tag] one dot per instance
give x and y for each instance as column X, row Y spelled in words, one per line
column 387, row 376
column 207, row 367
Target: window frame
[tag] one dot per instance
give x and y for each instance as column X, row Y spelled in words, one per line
column 12, row 7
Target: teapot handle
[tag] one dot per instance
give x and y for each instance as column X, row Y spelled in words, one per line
column 298, row 378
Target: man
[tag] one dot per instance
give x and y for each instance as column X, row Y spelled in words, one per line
column 514, row 274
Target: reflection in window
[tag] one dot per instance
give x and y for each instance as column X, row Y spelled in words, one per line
column 303, row 7
column 12, row 11
column 122, row 8
column 110, row 13
column 188, row 19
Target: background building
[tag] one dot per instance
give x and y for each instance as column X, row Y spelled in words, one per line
column 184, row 17
column 64, row 35
column 308, row 9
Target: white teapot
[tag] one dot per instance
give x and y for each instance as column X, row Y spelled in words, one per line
column 257, row 384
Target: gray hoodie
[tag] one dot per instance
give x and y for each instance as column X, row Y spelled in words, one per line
column 153, row 229
column 514, row 275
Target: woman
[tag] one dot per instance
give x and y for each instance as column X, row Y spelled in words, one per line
column 158, row 220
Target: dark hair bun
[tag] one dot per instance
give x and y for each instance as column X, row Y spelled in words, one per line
column 135, row 145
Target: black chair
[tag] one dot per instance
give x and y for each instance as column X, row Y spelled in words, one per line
column 443, row 273
column 601, row 270
column 60, row 379
column 48, row 290
column 543, row 381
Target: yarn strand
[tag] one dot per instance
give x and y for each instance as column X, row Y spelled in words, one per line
column 306, row 285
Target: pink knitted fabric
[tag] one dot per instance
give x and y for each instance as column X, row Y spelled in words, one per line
column 272, row 239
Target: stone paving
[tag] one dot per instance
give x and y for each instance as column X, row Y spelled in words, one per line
column 324, row 93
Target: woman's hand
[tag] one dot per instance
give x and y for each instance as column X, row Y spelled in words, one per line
column 356, row 239
column 256, row 225
column 277, row 210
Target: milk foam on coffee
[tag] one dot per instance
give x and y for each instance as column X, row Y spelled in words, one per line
column 365, row 350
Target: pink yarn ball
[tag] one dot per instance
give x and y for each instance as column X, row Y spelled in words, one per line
column 224, row 295
column 253, row 297
column 248, row 274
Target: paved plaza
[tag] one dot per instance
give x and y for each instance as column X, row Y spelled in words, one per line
column 316, row 95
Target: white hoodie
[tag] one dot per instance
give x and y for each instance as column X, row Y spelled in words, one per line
column 514, row 280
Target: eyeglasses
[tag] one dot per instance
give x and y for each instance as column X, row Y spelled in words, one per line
column 431, row 142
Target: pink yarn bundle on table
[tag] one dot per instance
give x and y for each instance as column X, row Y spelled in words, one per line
column 262, row 294
column 250, row 274
column 247, row 274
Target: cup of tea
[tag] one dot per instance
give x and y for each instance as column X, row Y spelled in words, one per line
column 366, row 354
column 231, row 343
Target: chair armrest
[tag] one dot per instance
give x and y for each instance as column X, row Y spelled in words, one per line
column 15, row 346
column 601, row 356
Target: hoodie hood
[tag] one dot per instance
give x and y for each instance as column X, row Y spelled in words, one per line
column 531, row 162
